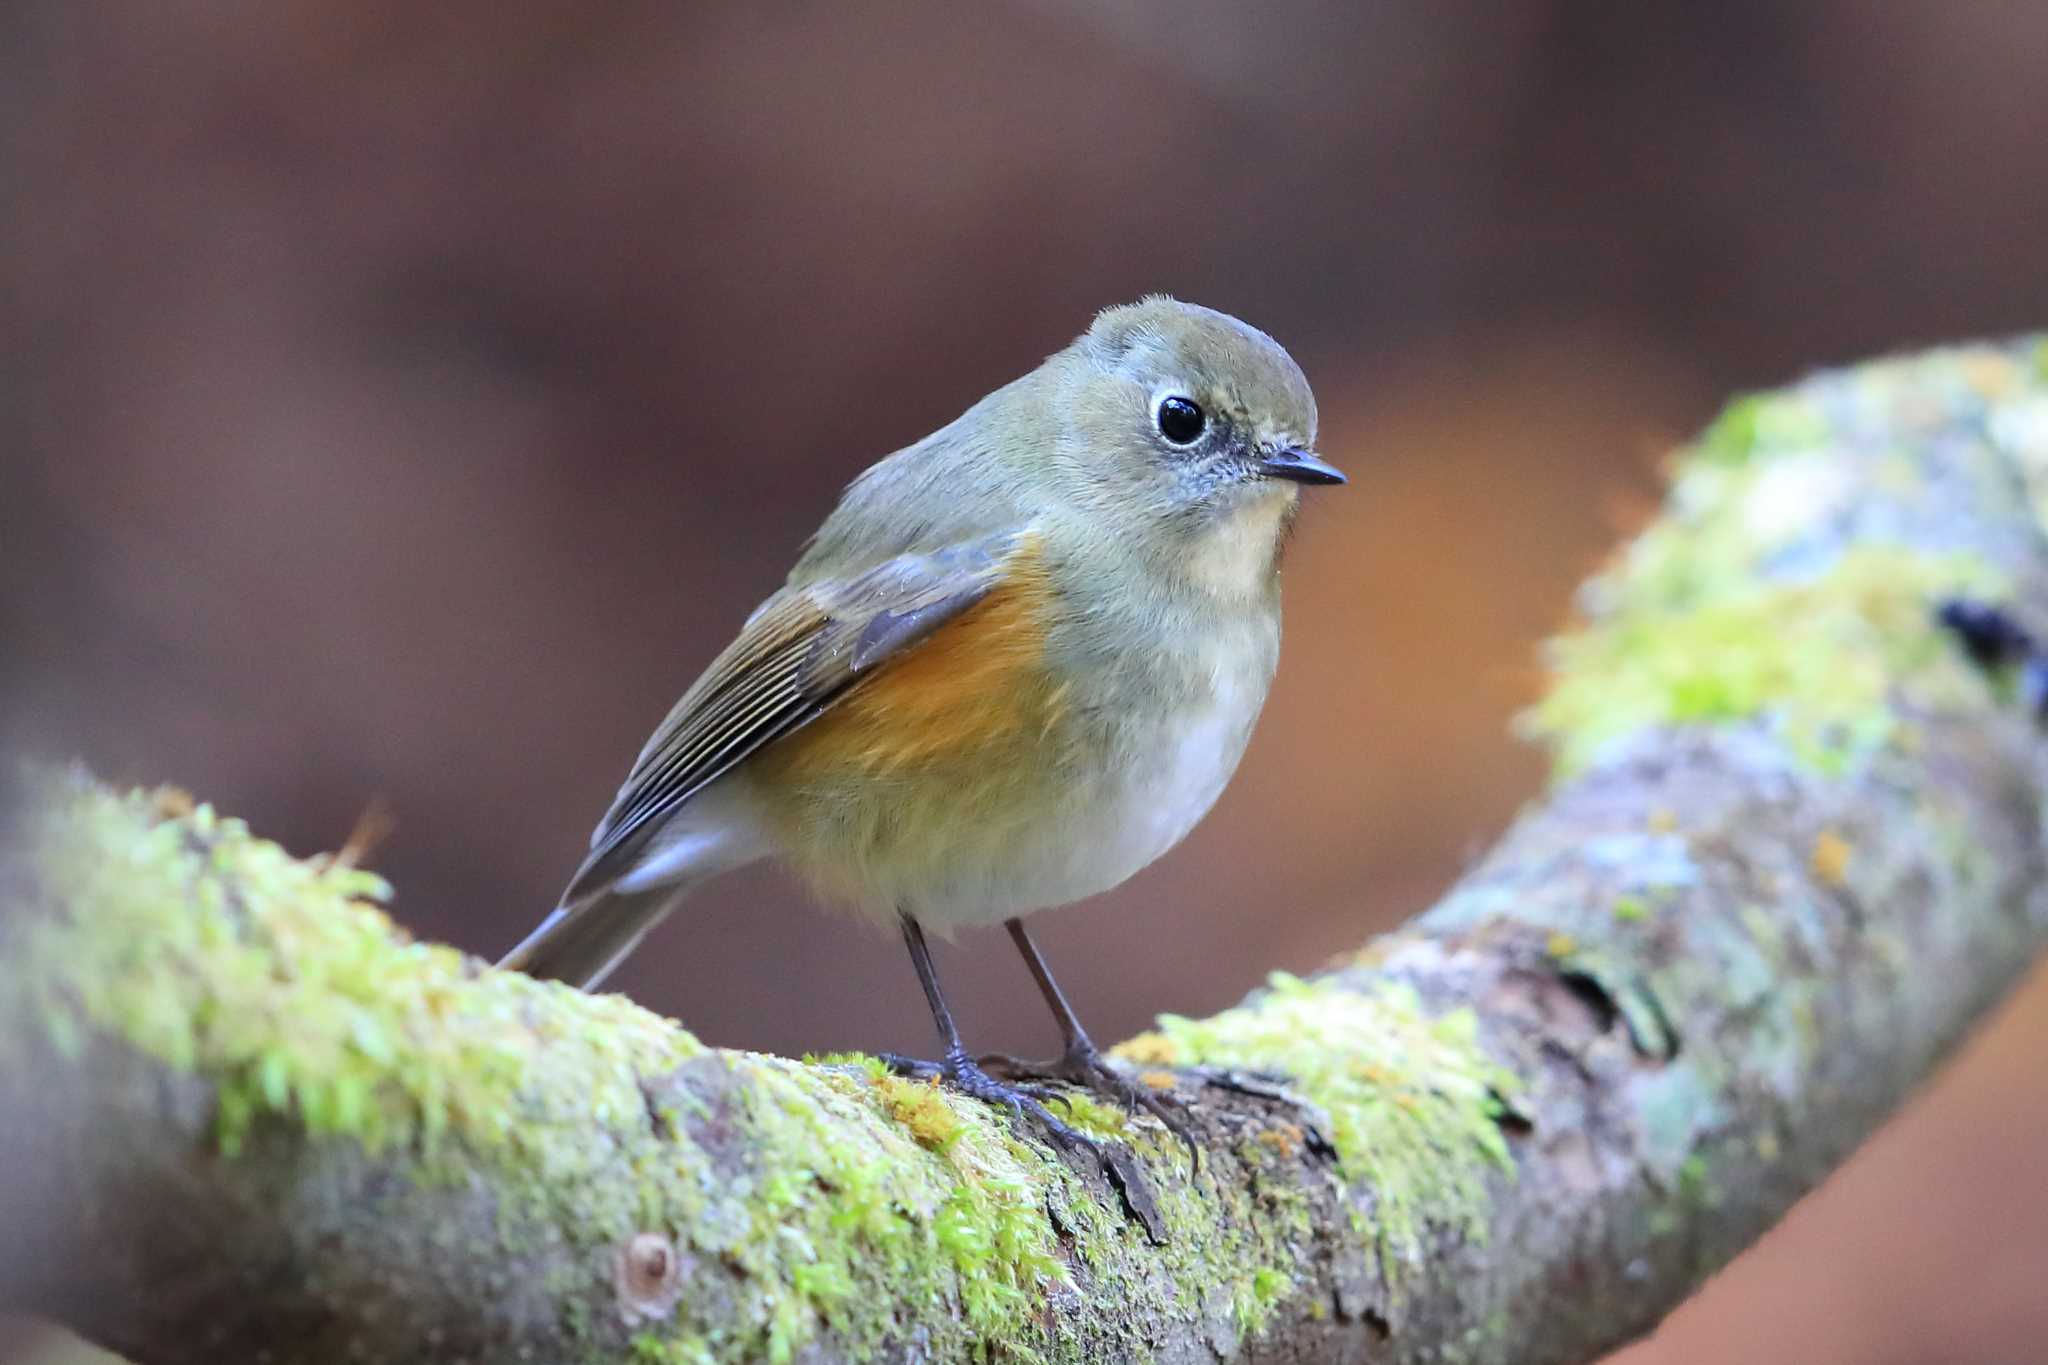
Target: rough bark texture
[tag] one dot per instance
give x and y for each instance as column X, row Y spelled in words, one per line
column 1795, row 847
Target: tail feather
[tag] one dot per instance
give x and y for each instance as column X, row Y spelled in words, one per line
column 628, row 885
column 581, row 943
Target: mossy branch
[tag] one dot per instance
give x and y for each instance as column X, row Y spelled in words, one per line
column 1794, row 849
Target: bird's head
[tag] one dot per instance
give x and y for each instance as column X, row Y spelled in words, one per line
column 1192, row 430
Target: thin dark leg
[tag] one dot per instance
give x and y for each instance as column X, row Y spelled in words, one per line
column 928, row 977
column 1074, row 1038
column 960, row 1071
column 1080, row 1062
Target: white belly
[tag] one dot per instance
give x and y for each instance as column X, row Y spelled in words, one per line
column 1162, row 801
column 1119, row 823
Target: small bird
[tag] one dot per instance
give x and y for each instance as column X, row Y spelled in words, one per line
column 1016, row 664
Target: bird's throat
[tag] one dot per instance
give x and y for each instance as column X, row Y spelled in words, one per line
column 1238, row 555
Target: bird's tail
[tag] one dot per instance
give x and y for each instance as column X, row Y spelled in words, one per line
column 582, row 942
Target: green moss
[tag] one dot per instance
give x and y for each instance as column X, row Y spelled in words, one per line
column 1094, row 1118
column 1822, row 660
column 1413, row 1102
column 1792, row 578
column 922, row 1107
column 155, row 922
column 283, row 982
column 1695, row 1187
column 1697, row 1194
column 863, row 1228
column 649, row 1349
column 1757, row 423
column 823, row 1198
column 1260, row 1296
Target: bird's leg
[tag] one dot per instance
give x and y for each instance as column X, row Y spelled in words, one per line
column 1994, row 639
column 1080, row 1062
column 959, row 1071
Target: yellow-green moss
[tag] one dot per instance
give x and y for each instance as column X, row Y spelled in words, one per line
column 1413, row 1102
column 159, row 924
column 1756, row 423
column 1822, row 660
column 839, row 1198
column 921, row 1107
column 1261, row 1295
column 283, row 983
column 1093, row 1118
column 1754, row 598
column 856, row 1220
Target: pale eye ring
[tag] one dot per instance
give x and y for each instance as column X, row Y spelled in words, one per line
column 1181, row 420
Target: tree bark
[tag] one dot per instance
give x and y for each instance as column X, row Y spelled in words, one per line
column 1794, row 848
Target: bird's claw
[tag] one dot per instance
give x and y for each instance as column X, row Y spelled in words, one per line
column 1085, row 1068
column 961, row 1073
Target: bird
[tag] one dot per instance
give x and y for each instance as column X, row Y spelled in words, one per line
column 1016, row 664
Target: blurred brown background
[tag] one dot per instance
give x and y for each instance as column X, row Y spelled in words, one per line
column 403, row 401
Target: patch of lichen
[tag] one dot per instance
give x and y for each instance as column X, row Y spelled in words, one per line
column 1823, row 660
column 1413, row 1102
column 178, row 932
column 869, row 1204
column 1791, row 579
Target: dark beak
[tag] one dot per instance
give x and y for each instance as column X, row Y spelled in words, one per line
column 1301, row 466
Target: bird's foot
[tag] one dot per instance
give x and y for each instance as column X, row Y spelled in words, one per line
column 1085, row 1068
column 961, row 1073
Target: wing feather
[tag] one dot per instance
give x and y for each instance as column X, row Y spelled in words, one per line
column 800, row 652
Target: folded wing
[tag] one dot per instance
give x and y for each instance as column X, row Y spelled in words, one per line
column 799, row 654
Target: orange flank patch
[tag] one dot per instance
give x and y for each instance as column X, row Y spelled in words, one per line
column 974, row 692
column 925, row 780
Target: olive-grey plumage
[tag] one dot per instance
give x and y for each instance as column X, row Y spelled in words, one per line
column 1017, row 662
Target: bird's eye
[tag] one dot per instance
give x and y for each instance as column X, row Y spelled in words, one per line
column 1180, row 421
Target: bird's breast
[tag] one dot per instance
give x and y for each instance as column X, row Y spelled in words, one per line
column 1004, row 766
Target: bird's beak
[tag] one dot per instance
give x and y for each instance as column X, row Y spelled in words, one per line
column 1299, row 466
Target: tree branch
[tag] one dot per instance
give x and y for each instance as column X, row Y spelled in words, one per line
column 1794, row 849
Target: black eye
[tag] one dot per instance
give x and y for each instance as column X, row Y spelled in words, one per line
column 1180, row 421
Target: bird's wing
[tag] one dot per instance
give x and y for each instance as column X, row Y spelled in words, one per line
column 800, row 652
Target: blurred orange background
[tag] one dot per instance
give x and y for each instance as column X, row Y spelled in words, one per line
column 405, row 401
